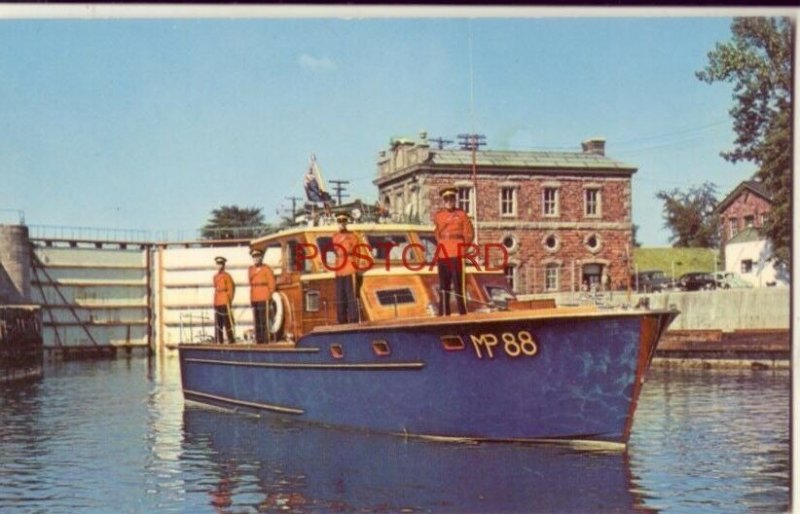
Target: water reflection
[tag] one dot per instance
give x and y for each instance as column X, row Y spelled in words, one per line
column 276, row 465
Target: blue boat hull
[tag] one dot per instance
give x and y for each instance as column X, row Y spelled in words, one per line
column 513, row 379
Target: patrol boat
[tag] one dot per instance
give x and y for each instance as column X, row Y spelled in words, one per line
column 508, row 370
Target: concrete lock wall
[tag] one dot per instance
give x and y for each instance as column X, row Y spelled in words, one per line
column 720, row 309
column 185, row 293
column 15, row 264
column 92, row 296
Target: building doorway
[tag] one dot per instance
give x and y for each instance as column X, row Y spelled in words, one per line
column 591, row 277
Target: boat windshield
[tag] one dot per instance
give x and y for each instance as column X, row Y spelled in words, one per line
column 391, row 246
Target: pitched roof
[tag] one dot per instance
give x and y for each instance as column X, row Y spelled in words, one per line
column 528, row 159
column 751, row 185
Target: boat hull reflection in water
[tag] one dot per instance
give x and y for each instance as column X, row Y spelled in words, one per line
column 278, row 463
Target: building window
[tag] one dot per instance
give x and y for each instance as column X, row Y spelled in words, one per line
column 749, row 221
column 763, row 219
column 464, row 200
column 551, row 277
column 733, row 223
column 508, row 201
column 510, row 272
column 510, row 242
column 550, row 201
column 591, row 202
column 747, row 266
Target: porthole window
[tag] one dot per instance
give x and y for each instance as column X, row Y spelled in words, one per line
column 337, row 352
column 592, row 243
column 381, row 348
column 551, row 242
column 510, row 242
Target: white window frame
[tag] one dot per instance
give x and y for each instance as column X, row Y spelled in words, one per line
column 514, row 285
column 551, row 272
column 733, row 226
column 464, row 199
column 511, row 202
column 554, row 202
column 596, row 201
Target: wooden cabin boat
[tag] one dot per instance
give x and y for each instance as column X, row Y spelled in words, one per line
column 507, row 371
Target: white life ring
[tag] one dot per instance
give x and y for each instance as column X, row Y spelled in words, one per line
column 276, row 323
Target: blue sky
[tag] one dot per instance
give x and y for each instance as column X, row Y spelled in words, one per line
column 152, row 123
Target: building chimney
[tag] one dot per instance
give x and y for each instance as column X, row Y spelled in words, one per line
column 595, row 145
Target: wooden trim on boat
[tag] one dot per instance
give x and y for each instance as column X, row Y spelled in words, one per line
column 225, row 399
column 313, row 365
column 588, row 312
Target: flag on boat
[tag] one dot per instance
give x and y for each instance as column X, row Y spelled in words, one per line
column 314, row 184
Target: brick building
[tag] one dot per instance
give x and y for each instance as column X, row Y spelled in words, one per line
column 747, row 252
column 745, row 207
column 564, row 217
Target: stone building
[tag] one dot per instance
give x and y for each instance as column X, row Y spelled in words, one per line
column 564, row 217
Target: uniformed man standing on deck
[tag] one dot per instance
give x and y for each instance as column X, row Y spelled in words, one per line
column 344, row 243
column 262, row 285
column 453, row 228
column 224, row 289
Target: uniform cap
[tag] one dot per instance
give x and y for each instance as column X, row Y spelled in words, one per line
column 343, row 217
column 255, row 252
column 448, row 191
column 220, row 260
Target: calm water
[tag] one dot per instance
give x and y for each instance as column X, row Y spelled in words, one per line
column 115, row 436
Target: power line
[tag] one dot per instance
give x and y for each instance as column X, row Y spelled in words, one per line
column 339, row 188
column 441, row 142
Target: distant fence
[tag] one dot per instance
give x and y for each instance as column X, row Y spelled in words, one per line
column 70, row 233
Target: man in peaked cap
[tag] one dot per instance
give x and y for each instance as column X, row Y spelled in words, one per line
column 262, row 285
column 453, row 229
column 224, row 290
column 344, row 243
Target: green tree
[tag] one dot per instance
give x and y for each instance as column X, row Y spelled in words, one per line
column 689, row 215
column 758, row 61
column 233, row 222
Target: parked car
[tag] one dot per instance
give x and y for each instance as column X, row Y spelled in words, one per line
column 696, row 281
column 730, row 280
column 650, row 281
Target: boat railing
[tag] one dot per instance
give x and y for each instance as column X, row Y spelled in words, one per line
column 192, row 328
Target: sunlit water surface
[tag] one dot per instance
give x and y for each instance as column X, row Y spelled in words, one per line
column 115, row 436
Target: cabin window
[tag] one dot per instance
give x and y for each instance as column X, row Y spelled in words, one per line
column 381, row 348
column 747, row 266
column 391, row 247
column 429, row 243
column 327, row 252
column 452, row 343
column 395, row 296
column 312, row 301
column 291, row 258
column 337, row 352
column 499, row 294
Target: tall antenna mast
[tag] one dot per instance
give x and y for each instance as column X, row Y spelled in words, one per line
column 474, row 141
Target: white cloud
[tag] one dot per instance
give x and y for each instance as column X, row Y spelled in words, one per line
column 312, row 63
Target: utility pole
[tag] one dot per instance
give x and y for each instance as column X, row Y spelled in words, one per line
column 339, row 188
column 294, row 200
column 473, row 142
column 440, row 142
